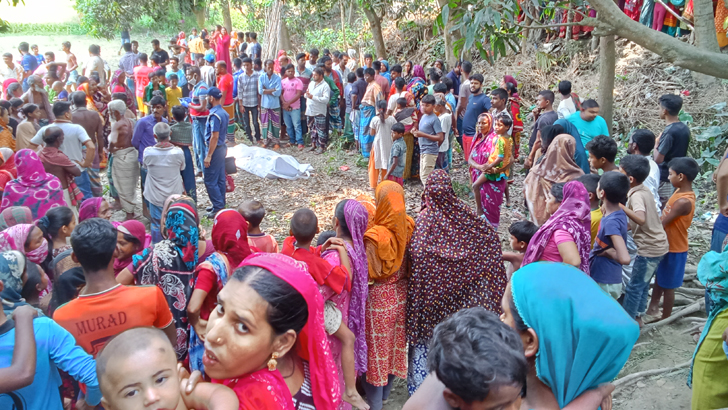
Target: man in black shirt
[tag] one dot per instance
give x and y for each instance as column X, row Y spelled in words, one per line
column 162, row 53
column 673, row 142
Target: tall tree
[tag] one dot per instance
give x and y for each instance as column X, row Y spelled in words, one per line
column 375, row 12
column 227, row 20
column 705, row 25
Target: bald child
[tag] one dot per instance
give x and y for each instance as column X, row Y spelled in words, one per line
column 138, row 370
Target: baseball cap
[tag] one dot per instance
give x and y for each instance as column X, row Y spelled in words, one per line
column 210, row 58
column 214, row 92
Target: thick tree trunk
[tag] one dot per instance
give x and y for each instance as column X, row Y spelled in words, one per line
column 607, row 62
column 613, row 21
column 199, row 12
column 524, row 34
column 376, row 24
column 272, row 30
column 284, row 37
column 450, row 56
column 705, row 25
column 352, row 6
column 227, row 21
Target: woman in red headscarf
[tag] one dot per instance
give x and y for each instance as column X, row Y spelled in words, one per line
column 269, row 321
column 230, row 240
column 222, row 48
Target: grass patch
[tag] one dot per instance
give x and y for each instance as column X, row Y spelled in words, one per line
column 45, row 29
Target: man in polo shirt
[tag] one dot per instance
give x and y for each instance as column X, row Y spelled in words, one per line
column 75, row 139
column 215, row 131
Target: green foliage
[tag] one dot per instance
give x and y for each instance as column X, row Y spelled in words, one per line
column 44, row 29
column 331, row 38
column 708, row 142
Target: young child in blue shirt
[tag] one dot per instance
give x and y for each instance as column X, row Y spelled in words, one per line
column 610, row 247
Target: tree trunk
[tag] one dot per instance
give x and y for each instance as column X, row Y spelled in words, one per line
column 284, row 37
column 343, row 25
column 352, row 5
column 450, row 56
column 199, row 12
column 524, row 34
column 705, row 25
column 272, row 30
column 613, row 21
column 569, row 19
column 607, row 62
column 376, row 25
column 227, row 21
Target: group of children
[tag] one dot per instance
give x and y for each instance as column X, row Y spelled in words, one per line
column 633, row 237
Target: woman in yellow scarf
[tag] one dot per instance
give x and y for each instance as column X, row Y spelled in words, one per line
column 386, row 241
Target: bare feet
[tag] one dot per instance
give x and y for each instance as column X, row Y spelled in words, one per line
column 130, row 216
column 353, row 398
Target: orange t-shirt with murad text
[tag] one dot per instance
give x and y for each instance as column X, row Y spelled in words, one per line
column 94, row 319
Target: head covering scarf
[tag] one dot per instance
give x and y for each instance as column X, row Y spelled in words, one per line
column 136, row 229
column 14, row 238
column 713, row 274
column 170, row 264
column 584, row 336
column 386, row 74
column 230, row 236
column 391, row 230
column 12, row 266
column 556, row 166
column 357, row 219
column 8, row 170
column 573, row 216
column 417, row 86
column 277, row 62
column 6, row 84
column 313, row 341
column 419, row 72
column 34, row 188
column 89, row 208
column 443, row 279
column 510, row 79
column 15, row 215
column 6, row 134
column 130, row 96
column 90, row 104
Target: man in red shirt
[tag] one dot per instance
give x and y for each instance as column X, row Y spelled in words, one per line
column 225, row 84
column 141, row 81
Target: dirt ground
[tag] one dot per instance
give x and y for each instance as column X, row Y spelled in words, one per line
column 328, row 184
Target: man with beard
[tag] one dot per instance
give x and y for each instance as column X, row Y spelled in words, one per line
column 37, row 95
column 478, row 103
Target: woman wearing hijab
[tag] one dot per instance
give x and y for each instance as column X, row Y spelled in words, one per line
column 13, row 278
column 384, row 72
column 709, row 359
column 6, row 132
column 8, row 170
column 557, row 165
column 385, row 242
column 222, row 48
column 574, row 335
column 566, row 236
column 132, row 239
column 27, row 239
column 118, row 85
column 15, row 215
column 170, row 264
column 94, row 208
column 482, row 152
column 34, row 188
column 350, row 224
column 465, row 273
column 283, row 301
column 230, row 240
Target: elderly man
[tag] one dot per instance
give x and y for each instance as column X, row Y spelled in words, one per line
column 125, row 166
column 163, row 162
column 144, row 137
column 37, row 95
column 75, row 139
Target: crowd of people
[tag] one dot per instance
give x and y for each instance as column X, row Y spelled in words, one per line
column 177, row 317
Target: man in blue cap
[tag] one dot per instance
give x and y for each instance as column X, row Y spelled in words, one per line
column 217, row 123
column 208, row 70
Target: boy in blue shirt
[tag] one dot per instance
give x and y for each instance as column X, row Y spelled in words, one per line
column 610, row 247
column 588, row 122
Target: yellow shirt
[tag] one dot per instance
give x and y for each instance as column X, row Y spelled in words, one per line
column 197, row 46
column 596, row 220
column 173, row 96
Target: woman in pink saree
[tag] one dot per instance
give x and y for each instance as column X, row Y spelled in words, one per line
column 483, row 146
column 222, row 48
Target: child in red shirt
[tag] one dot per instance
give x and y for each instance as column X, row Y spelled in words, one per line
column 253, row 212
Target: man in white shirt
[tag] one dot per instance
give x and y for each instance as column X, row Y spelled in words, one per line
column 567, row 105
column 445, row 117
column 75, row 139
column 317, row 100
column 641, row 143
column 95, row 63
column 163, row 162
